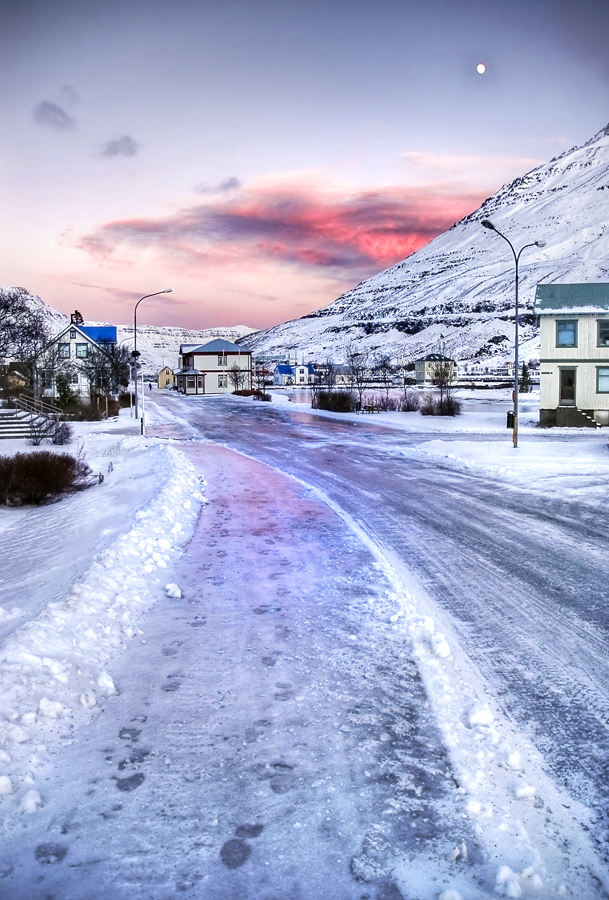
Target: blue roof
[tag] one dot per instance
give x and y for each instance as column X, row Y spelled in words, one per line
column 283, row 369
column 101, row 334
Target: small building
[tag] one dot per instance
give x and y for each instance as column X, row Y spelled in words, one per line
column 304, row 374
column 427, row 369
column 164, row 378
column 84, row 354
column 213, row 368
column 283, row 376
column 574, row 365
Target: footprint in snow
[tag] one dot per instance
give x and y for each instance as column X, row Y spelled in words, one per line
column 234, row 853
column 130, row 783
column 249, row 831
column 49, row 854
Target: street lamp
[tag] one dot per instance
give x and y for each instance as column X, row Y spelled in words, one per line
column 135, row 352
column 486, row 223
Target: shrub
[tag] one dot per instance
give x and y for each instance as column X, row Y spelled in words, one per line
column 431, row 405
column 427, row 405
column 261, row 395
column 38, row 477
column 410, row 401
column 61, row 433
column 334, row 401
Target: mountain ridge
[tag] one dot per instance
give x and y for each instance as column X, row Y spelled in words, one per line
column 458, row 290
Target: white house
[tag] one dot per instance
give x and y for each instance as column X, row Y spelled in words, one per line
column 574, row 366
column 426, row 369
column 206, row 368
column 72, row 353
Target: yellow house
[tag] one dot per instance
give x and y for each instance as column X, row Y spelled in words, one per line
column 164, row 379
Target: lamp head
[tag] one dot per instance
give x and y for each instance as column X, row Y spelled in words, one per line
column 540, row 243
column 486, row 223
column 166, row 291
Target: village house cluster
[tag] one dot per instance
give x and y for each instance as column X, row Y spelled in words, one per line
column 86, row 363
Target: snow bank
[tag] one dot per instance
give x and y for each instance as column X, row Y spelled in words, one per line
column 57, row 667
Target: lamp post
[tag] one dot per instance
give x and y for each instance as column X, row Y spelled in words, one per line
column 135, row 352
column 486, row 223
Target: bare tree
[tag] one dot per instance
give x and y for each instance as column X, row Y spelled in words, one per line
column 385, row 370
column 107, row 368
column 263, row 377
column 23, row 330
column 443, row 373
column 237, row 377
column 357, row 364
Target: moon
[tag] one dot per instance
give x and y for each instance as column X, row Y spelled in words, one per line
column 481, row 68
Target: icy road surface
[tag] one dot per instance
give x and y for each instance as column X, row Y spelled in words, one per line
column 271, row 739
column 522, row 572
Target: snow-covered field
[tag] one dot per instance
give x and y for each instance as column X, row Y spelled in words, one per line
column 81, row 578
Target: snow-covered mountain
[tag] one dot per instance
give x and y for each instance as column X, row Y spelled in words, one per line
column 158, row 345
column 458, row 291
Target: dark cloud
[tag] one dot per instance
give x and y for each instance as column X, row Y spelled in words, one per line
column 229, row 184
column 53, row 116
column 355, row 235
column 122, row 146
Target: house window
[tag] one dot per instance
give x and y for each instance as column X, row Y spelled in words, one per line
column 72, row 334
column 74, row 378
column 222, row 381
column 302, row 378
column 566, row 333
column 190, row 382
column 602, row 380
column 81, row 351
column 603, row 333
column 222, row 360
column 64, row 351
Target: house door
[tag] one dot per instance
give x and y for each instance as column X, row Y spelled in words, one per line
column 567, row 387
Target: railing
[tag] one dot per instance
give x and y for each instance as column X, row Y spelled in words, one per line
column 36, row 406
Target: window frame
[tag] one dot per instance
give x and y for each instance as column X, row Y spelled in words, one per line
column 222, row 379
column 598, row 378
column 562, row 322
column 79, row 349
column 605, row 323
column 64, row 351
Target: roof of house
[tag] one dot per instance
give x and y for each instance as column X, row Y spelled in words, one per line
column 283, row 369
column 97, row 334
column 572, row 298
column 218, row 345
column 101, row 334
column 435, row 357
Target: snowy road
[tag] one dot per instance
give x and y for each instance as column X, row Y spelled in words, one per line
column 386, row 679
column 522, row 573
column 269, row 741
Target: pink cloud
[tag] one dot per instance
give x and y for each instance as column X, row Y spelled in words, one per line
column 352, row 235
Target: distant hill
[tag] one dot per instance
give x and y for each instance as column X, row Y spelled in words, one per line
column 458, row 290
column 159, row 345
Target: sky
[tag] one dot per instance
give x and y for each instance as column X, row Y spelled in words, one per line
column 260, row 157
